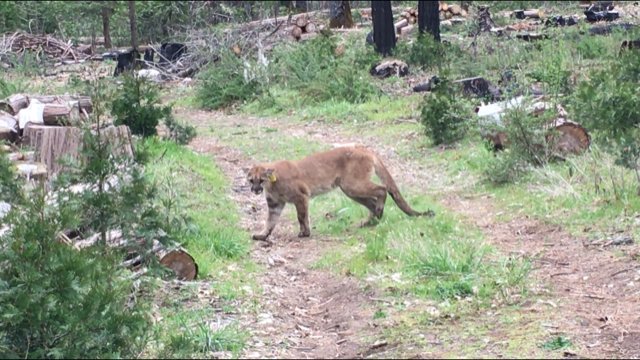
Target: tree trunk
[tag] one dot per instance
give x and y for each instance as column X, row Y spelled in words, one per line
column 384, row 32
column 302, row 6
column 132, row 22
column 429, row 18
column 106, row 13
column 340, row 14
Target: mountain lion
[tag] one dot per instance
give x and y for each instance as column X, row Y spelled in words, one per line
column 349, row 168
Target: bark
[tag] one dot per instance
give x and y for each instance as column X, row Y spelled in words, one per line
column 429, row 18
column 340, row 14
column 106, row 14
column 132, row 22
column 384, row 32
column 302, row 6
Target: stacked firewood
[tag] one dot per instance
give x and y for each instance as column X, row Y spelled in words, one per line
column 409, row 18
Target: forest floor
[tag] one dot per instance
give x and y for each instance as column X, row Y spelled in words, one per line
column 321, row 297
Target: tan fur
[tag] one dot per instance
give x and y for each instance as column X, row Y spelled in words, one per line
column 349, row 168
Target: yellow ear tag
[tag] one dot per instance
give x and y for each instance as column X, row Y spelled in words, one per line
column 272, row 177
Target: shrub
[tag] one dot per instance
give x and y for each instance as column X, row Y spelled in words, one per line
column 58, row 302
column 227, row 81
column 138, row 106
column 9, row 188
column 320, row 70
column 443, row 114
column 609, row 106
column 424, row 52
column 180, row 133
column 530, row 144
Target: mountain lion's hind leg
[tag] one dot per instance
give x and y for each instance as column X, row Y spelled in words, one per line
column 368, row 194
column 302, row 208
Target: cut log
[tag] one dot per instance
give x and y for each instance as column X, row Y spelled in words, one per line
column 296, row 32
column 302, row 21
column 61, row 114
column 310, row 28
column 405, row 15
column 399, row 25
column 405, row 31
column 8, row 127
column 84, row 102
column 308, row 36
column 455, row 9
column 532, row 14
column 179, row 260
column 14, row 103
column 389, row 68
column 32, row 170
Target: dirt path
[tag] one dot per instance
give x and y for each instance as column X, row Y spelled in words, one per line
column 312, row 313
column 305, row 313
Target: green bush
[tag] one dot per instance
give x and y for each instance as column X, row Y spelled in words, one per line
column 180, row 133
column 529, row 144
column 138, row 106
column 224, row 82
column 424, row 52
column 443, row 114
column 609, row 106
column 58, row 302
column 9, row 188
column 320, row 70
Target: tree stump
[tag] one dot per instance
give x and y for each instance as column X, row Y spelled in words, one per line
column 340, row 14
column 51, row 143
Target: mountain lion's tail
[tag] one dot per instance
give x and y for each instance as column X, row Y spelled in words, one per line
column 382, row 173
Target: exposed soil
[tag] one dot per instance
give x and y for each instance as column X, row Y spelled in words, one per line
column 312, row 313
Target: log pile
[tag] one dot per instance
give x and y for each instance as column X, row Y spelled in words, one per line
column 299, row 26
column 408, row 19
column 449, row 11
column 49, row 125
column 45, row 47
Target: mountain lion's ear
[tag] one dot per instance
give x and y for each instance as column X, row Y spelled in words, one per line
column 268, row 172
column 246, row 170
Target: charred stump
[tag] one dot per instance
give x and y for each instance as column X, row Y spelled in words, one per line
column 429, row 18
column 384, row 32
column 340, row 15
column 126, row 61
column 485, row 23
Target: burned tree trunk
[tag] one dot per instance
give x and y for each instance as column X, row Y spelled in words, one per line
column 301, row 5
column 429, row 18
column 384, row 32
column 132, row 23
column 106, row 13
column 340, row 14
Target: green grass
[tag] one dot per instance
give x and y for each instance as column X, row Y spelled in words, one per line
column 189, row 326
